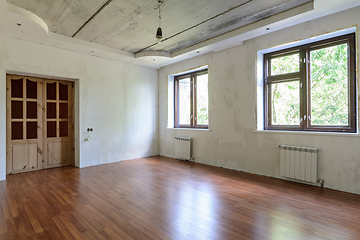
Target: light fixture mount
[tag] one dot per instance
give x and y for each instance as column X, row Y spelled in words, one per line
column 159, row 30
column 159, row 33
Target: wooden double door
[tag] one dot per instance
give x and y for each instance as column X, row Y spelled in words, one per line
column 40, row 123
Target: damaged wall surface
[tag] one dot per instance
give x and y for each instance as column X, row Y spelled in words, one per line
column 232, row 141
column 118, row 100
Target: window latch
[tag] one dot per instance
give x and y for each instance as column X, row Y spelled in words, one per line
column 309, row 118
column 304, row 117
column 191, row 116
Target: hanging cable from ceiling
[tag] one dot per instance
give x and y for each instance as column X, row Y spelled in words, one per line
column 196, row 25
column 159, row 30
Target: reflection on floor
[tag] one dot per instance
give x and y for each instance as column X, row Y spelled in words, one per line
column 163, row 198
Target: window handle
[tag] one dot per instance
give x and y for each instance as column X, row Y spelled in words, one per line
column 304, row 117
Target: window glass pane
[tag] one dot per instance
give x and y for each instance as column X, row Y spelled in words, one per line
column 202, row 94
column 31, row 89
column 329, row 86
column 63, row 92
column 51, row 91
column 16, row 110
column 17, row 88
column 184, row 101
column 16, row 130
column 51, row 129
column 285, row 103
column 51, row 110
column 63, row 128
column 31, row 110
column 285, row 64
column 63, row 110
column 31, row 130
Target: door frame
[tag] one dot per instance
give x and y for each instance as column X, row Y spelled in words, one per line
column 74, row 121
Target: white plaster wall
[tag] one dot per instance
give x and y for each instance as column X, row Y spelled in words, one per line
column 118, row 100
column 232, row 142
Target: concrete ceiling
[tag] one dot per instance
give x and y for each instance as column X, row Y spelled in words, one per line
column 124, row 30
column 130, row 25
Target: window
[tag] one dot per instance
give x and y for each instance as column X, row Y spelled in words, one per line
column 191, row 100
column 311, row 87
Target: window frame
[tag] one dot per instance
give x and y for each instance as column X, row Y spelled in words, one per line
column 303, row 76
column 193, row 98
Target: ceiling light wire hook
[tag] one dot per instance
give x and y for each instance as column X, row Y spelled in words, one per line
column 159, row 30
column 158, row 6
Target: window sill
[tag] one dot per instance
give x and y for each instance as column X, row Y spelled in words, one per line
column 190, row 129
column 335, row 134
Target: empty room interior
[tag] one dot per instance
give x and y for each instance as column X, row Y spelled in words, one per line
column 165, row 119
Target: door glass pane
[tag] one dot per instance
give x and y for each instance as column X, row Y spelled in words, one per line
column 285, row 103
column 202, row 101
column 31, row 89
column 31, row 110
column 285, row 64
column 31, row 130
column 63, row 128
column 63, row 110
column 63, row 91
column 16, row 130
column 184, row 101
column 17, row 88
column 51, row 129
column 51, row 91
column 16, row 109
column 329, row 86
column 51, row 110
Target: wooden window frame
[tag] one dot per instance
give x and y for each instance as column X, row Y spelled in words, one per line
column 305, row 92
column 193, row 105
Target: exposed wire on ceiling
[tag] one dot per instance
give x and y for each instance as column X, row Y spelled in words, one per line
column 159, row 30
column 196, row 25
column 92, row 17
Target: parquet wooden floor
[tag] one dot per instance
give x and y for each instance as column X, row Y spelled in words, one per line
column 163, row 198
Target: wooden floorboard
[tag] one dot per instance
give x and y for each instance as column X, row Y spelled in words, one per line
column 164, row 198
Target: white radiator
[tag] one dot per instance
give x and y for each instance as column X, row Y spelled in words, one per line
column 299, row 163
column 183, row 148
